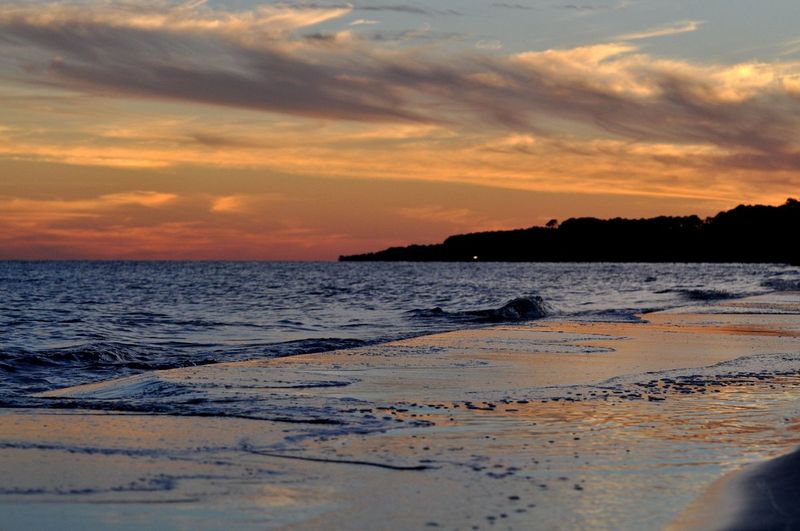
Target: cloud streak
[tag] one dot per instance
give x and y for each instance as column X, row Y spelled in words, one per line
column 407, row 8
column 34, row 212
column 242, row 60
column 686, row 26
column 641, row 110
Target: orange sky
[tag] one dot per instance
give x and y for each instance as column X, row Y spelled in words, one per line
column 165, row 130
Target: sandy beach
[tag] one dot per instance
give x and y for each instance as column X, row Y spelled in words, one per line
column 545, row 425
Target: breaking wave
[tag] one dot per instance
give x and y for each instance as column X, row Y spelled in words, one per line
column 782, row 284
column 40, row 371
column 704, row 294
column 519, row 309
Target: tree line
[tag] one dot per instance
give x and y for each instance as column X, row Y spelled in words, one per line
column 747, row 233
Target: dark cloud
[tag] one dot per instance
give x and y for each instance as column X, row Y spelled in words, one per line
column 583, row 7
column 413, row 35
column 506, row 5
column 215, row 140
column 602, row 89
column 407, row 8
column 128, row 61
column 569, row 7
column 411, row 9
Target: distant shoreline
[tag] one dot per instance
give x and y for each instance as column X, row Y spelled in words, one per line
column 745, row 234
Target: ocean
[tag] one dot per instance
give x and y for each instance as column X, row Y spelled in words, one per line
column 68, row 323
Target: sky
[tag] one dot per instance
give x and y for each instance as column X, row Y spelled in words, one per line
column 302, row 130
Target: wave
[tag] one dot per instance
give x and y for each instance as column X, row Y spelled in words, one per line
column 626, row 315
column 708, row 294
column 782, row 284
column 519, row 309
column 703, row 294
column 90, row 355
column 61, row 367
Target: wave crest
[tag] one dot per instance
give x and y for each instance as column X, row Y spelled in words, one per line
column 782, row 284
column 702, row 294
column 519, row 309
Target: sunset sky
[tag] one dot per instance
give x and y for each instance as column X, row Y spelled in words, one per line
column 304, row 130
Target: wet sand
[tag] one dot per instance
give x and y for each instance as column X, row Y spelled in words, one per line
column 547, row 425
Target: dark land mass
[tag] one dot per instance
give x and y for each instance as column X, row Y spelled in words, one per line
column 747, row 233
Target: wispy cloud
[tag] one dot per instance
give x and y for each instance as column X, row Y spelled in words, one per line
column 157, row 225
column 24, row 210
column 162, row 15
column 243, row 203
column 515, row 5
column 407, row 8
column 686, row 26
column 457, row 218
column 576, row 8
column 791, row 47
column 207, row 56
column 583, row 8
column 589, row 8
column 492, row 44
column 364, row 22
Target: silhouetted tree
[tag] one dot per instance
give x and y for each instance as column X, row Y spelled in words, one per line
column 747, row 233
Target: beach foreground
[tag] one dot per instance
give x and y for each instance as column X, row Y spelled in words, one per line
column 549, row 424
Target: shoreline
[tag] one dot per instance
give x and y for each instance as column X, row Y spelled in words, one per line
column 85, row 348
column 472, row 320
column 546, row 424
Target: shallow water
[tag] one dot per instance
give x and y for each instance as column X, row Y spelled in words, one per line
column 66, row 323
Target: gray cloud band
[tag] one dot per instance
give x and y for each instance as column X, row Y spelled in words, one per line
column 612, row 90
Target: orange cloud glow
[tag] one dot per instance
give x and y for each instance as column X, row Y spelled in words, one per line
column 173, row 90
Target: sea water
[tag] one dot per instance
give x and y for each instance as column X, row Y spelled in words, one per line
column 67, row 323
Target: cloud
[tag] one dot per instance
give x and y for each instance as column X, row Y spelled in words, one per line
column 407, row 8
column 145, row 199
column 243, row 203
column 578, row 8
column 230, row 204
column 489, row 45
column 173, row 240
column 789, row 48
column 639, row 97
column 65, row 153
column 212, row 57
column 158, row 225
column 506, row 5
column 215, row 140
column 364, row 22
column 437, row 215
column 602, row 106
column 28, row 212
column 686, row 26
column 611, row 87
column 196, row 17
column 582, row 7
